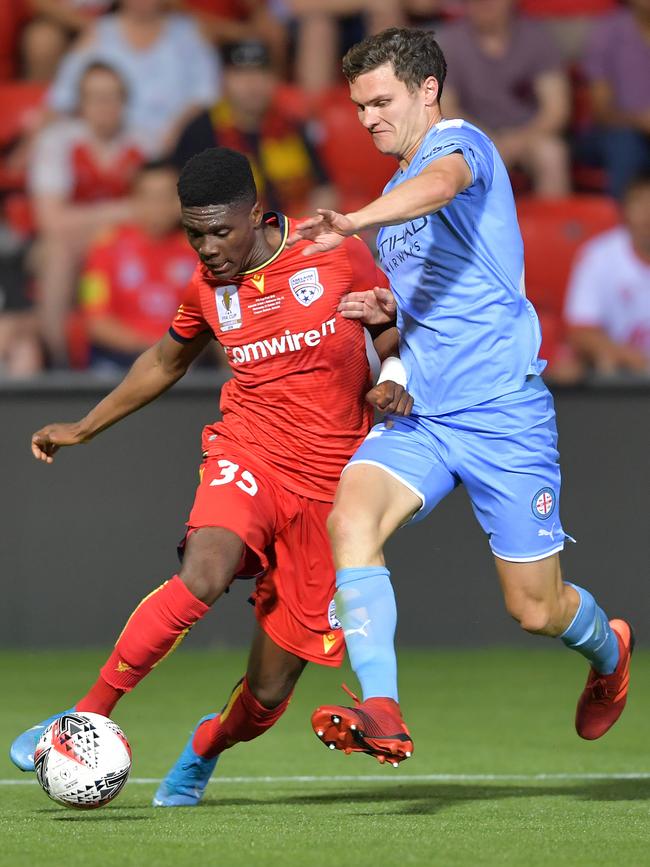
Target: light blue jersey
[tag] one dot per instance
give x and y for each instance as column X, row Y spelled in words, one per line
column 467, row 332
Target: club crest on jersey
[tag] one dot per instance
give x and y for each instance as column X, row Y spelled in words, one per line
column 306, row 286
column 543, row 503
column 228, row 307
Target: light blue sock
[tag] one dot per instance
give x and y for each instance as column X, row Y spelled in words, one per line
column 365, row 605
column 591, row 635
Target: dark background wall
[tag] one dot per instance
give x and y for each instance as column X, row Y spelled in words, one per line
column 84, row 539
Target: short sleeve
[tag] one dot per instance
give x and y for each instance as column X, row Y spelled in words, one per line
column 189, row 321
column 50, row 171
column 454, row 137
column 365, row 272
column 584, row 300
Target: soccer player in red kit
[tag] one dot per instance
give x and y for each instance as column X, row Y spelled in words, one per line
column 292, row 415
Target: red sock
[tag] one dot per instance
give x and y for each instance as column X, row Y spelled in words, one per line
column 156, row 627
column 242, row 719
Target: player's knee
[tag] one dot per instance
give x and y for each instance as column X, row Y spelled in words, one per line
column 271, row 691
column 533, row 615
column 211, row 559
column 352, row 533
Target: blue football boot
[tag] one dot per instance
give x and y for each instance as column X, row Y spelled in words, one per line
column 22, row 749
column 185, row 783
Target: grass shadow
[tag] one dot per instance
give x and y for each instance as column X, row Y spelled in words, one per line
column 412, row 799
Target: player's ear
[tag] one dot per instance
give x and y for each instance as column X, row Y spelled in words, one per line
column 257, row 213
column 430, row 89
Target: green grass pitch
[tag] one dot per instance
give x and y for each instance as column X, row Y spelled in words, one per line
column 498, row 776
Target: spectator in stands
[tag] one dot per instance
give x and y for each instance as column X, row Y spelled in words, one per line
column 608, row 300
column 71, row 16
column 79, row 179
column 224, row 21
column 43, row 45
column 617, row 65
column 425, row 14
column 46, row 36
column 288, row 172
column 506, row 74
column 170, row 70
column 320, row 27
column 568, row 20
column 134, row 276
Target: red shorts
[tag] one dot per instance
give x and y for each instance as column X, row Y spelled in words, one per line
column 287, row 550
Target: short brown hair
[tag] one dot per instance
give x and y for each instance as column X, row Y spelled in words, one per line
column 414, row 55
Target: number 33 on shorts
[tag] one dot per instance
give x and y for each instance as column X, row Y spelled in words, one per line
column 230, row 472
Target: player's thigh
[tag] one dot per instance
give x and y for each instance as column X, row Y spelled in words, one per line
column 231, row 525
column 211, row 558
column 513, row 479
column 398, row 474
column 272, row 671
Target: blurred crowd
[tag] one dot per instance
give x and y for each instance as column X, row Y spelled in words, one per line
column 102, row 102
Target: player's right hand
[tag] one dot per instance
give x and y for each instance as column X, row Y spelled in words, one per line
column 48, row 440
column 390, row 398
column 374, row 307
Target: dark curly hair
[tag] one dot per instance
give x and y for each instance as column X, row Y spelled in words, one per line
column 414, row 55
column 216, row 176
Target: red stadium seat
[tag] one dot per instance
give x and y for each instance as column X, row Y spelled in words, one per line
column 355, row 166
column 553, row 8
column 20, row 101
column 552, row 336
column 19, row 213
column 20, row 104
column 294, row 101
column 77, row 340
column 13, row 14
column 552, row 231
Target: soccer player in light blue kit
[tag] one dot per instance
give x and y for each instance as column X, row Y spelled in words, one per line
column 469, row 339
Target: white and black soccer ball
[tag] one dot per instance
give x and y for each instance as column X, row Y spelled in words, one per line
column 82, row 760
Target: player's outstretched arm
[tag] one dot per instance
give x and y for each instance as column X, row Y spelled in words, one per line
column 432, row 189
column 153, row 372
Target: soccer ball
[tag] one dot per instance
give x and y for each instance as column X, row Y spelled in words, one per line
column 82, row 760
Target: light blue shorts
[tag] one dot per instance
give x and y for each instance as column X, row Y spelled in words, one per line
column 505, row 453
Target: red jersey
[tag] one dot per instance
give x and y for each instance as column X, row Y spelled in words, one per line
column 65, row 163
column 300, row 370
column 137, row 279
column 95, row 182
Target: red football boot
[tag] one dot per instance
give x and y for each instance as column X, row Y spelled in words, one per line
column 374, row 726
column 604, row 696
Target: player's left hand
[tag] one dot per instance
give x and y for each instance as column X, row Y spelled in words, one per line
column 327, row 230
column 390, row 398
column 373, row 307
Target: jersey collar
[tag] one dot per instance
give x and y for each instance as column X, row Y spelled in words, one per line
column 282, row 222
